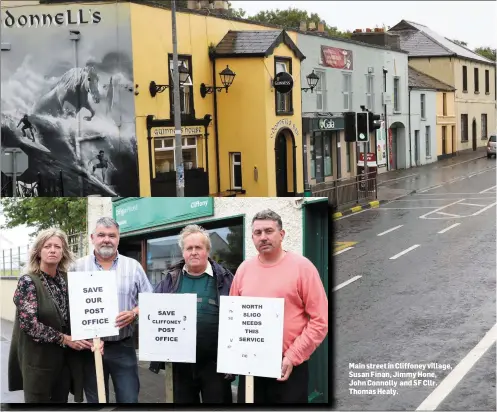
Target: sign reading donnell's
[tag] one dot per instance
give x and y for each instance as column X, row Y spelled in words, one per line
column 170, row 131
column 63, row 18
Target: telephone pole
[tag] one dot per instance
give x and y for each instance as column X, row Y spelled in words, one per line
column 178, row 144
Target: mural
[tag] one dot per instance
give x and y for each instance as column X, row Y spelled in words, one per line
column 67, row 97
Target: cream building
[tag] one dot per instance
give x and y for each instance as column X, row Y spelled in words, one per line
column 472, row 75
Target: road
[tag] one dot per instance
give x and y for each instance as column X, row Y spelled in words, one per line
column 415, row 283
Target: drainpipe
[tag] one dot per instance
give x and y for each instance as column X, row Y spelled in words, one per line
column 409, row 122
column 385, row 71
column 149, row 138
column 216, row 140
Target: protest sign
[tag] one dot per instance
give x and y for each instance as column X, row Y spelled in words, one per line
column 93, row 301
column 250, row 336
column 168, row 327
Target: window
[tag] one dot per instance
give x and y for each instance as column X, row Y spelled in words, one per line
column 165, row 161
column 185, row 91
column 347, row 153
column 283, row 100
column 370, row 92
column 236, row 170
column 347, row 91
column 396, row 94
column 464, row 127
column 487, row 82
column 477, row 81
column 320, row 90
column 423, row 106
column 464, row 78
column 427, row 141
column 444, row 104
column 327, row 155
column 484, row 130
column 313, row 157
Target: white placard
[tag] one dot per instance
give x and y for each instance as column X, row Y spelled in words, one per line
column 250, row 336
column 94, row 304
column 167, row 328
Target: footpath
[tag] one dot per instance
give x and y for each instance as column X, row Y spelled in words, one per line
column 399, row 183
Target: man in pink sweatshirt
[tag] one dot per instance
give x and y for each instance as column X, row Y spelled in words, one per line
column 277, row 273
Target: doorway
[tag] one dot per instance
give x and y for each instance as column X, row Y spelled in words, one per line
column 416, row 147
column 453, row 139
column 473, row 134
column 286, row 176
column 444, row 140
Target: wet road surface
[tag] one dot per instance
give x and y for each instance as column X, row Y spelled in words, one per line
column 415, row 284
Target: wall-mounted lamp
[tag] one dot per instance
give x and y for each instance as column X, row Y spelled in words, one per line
column 312, row 81
column 227, row 77
column 184, row 74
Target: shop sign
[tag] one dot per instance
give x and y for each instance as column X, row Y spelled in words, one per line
column 64, row 18
column 283, row 82
column 280, row 124
column 323, row 124
column 337, row 58
column 148, row 212
column 170, row 131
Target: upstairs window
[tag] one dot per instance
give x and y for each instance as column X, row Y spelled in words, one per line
column 487, row 81
column 423, row 106
column 477, row 80
column 320, row 91
column 370, row 92
column 347, row 91
column 464, row 78
column 396, row 94
column 185, row 91
column 284, row 101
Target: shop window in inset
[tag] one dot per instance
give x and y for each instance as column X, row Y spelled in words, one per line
column 236, row 170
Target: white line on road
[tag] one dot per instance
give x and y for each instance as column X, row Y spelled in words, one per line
column 487, row 190
column 343, row 250
column 485, row 208
column 445, row 387
column 341, row 285
column 406, row 208
column 448, row 214
column 389, row 230
column 460, row 163
column 404, row 252
column 440, row 208
column 472, row 204
column 449, row 193
column 448, row 228
column 393, row 180
column 430, row 188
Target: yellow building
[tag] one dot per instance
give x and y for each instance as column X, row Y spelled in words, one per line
column 472, row 75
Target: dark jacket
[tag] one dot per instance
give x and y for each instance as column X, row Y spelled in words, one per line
column 171, row 282
column 33, row 366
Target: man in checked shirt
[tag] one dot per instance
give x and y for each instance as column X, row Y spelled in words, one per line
column 119, row 358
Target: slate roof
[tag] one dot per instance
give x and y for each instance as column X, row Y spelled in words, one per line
column 421, row 41
column 419, row 80
column 254, row 43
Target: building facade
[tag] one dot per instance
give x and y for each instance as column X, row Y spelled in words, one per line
column 472, row 76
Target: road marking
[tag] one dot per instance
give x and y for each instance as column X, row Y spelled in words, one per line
column 406, row 208
column 342, row 245
column 448, row 214
column 449, row 193
column 430, row 188
column 341, row 285
column 440, row 208
column 472, row 204
column 445, row 387
column 389, row 230
column 486, row 190
column 343, row 250
column 404, row 252
column 485, row 208
column 448, row 228
column 460, row 163
column 394, row 180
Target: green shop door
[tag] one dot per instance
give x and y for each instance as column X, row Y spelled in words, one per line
column 316, row 249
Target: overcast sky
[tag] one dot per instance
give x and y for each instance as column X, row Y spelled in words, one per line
column 472, row 22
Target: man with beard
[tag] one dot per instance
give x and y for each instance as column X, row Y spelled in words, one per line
column 119, row 359
column 277, row 273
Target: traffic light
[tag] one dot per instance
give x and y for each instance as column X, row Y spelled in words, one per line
column 362, row 127
column 374, row 122
column 350, row 132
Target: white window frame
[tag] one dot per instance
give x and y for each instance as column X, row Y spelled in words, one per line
column 233, row 164
column 428, row 141
column 183, row 147
column 396, row 95
column 347, row 90
column 422, row 102
column 185, row 62
column 320, row 89
column 370, row 92
column 281, row 66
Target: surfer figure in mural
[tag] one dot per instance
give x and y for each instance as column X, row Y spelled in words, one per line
column 74, row 87
column 102, row 164
column 26, row 125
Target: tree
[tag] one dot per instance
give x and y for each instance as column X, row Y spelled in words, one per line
column 66, row 213
column 240, row 13
column 487, row 52
column 291, row 18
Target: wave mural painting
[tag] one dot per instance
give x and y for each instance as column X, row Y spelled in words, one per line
column 67, row 100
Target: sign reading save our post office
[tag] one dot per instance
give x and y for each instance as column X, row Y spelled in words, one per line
column 168, row 327
column 283, row 82
column 93, row 302
column 250, row 336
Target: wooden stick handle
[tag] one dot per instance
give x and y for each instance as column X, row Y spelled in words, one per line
column 169, row 383
column 99, row 368
column 249, row 389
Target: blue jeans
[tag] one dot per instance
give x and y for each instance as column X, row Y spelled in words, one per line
column 121, row 364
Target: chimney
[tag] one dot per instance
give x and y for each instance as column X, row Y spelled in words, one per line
column 312, row 26
column 192, row 4
column 303, row 25
column 321, row 26
column 377, row 37
column 221, row 6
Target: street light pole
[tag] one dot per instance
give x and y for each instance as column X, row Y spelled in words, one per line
column 178, row 144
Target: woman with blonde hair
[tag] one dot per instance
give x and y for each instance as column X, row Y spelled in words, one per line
column 44, row 361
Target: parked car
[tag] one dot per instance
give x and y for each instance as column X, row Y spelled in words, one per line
column 491, row 147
